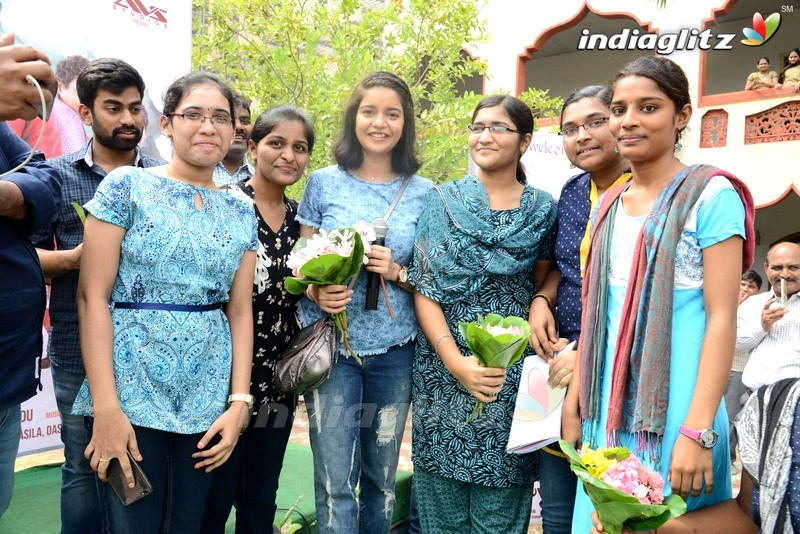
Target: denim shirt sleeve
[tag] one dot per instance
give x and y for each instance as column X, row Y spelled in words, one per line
column 39, row 182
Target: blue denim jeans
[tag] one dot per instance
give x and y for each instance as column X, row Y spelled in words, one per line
column 179, row 490
column 80, row 507
column 557, row 484
column 356, row 423
column 10, row 432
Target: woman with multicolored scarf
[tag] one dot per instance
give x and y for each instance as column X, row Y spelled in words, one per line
column 659, row 298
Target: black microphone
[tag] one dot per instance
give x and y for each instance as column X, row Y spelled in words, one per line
column 381, row 228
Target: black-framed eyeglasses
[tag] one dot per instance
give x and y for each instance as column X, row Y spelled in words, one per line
column 220, row 119
column 478, row 129
column 592, row 125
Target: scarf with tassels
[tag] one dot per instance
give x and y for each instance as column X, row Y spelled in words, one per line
column 640, row 386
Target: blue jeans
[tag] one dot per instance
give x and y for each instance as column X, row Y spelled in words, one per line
column 557, row 485
column 356, row 424
column 250, row 476
column 80, row 507
column 179, row 490
column 10, row 432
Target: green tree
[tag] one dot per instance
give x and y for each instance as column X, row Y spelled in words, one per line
column 311, row 53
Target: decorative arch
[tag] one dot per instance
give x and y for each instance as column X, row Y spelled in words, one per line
column 475, row 57
column 537, row 45
column 792, row 188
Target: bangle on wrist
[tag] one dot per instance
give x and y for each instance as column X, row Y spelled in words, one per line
column 545, row 297
column 439, row 340
column 241, row 397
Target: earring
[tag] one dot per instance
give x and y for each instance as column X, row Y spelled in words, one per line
column 616, row 150
column 572, row 165
column 678, row 146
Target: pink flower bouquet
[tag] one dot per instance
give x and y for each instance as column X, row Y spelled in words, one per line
column 623, row 491
column 330, row 258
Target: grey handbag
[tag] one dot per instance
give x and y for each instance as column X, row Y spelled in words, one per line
column 308, row 360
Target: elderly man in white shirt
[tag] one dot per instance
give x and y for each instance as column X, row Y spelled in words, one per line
column 769, row 329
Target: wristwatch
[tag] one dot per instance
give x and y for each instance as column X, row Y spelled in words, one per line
column 707, row 438
column 242, row 397
column 402, row 275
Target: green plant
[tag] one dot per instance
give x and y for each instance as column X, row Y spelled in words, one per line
column 542, row 104
column 311, row 53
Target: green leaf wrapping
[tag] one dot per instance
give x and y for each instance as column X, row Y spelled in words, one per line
column 80, row 211
column 501, row 351
column 616, row 508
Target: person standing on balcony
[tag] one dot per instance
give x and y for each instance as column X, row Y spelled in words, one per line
column 790, row 75
column 763, row 78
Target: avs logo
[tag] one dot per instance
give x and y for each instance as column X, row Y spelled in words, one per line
column 142, row 15
column 762, row 29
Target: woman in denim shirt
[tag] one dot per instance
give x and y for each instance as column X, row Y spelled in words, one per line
column 358, row 416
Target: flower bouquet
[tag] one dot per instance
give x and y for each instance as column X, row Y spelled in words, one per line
column 496, row 342
column 623, row 491
column 330, row 258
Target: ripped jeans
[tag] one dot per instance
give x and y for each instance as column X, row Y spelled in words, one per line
column 356, row 422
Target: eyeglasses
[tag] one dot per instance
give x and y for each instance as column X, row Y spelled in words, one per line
column 572, row 131
column 478, row 129
column 220, row 119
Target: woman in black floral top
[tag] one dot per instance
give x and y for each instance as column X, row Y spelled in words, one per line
column 280, row 145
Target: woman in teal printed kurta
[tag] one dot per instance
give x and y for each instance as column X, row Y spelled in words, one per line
column 660, row 296
column 175, row 256
column 483, row 245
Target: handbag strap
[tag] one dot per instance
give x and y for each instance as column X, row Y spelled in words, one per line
column 386, row 215
column 397, row 196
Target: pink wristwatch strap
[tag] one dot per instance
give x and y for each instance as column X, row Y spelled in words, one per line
column 690, row 433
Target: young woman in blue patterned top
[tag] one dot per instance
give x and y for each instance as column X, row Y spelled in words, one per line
column 280, row 144
column 484, row 244
column 175, row 256
column 358, row 416
column 589, row 145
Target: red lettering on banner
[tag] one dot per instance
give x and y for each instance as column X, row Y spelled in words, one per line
column 137, row 7
column 32, row 433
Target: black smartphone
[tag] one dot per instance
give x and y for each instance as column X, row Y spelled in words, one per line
column 116, row 477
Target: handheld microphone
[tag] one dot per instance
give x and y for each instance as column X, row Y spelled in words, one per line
column 381, row 228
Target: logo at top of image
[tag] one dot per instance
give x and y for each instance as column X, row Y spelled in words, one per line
column 141, row 14
column 762, row 29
